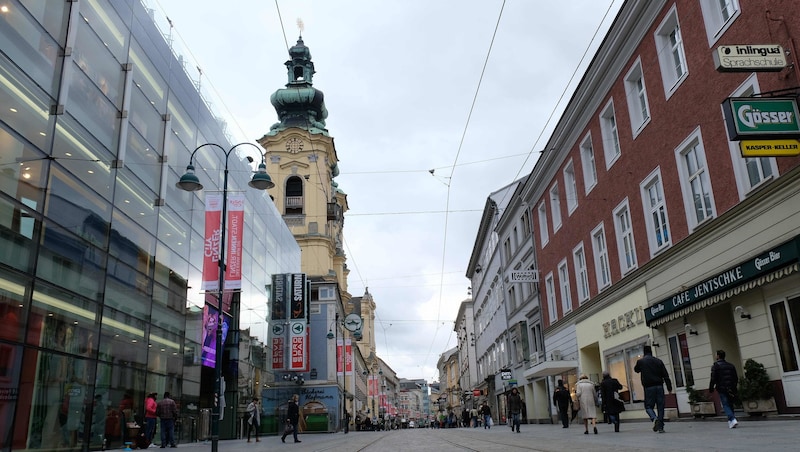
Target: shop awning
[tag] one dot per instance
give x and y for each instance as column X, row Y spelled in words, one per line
column 548, row 368
column 708, row 302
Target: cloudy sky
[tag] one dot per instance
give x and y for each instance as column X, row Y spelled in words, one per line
column 433, row 105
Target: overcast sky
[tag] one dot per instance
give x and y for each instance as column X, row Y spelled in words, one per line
column 407, row 92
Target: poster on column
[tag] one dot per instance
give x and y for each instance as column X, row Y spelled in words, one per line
column 211, row 243
column 298, row 324
column 278, row 323
column 211, row 319
column 339, row 355
column 233, row 245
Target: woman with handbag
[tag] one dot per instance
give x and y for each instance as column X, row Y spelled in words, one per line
column 612, row 404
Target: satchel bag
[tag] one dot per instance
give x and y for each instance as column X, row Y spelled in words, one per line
column 288, row 429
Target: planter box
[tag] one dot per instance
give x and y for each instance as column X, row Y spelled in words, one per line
column 703, row 409
column 759, row 407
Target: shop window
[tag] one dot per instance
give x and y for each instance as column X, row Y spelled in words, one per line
column 620, row 365
column 681, row 363
column 786, row 319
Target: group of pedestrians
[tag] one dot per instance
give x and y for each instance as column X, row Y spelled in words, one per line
column 654, row 377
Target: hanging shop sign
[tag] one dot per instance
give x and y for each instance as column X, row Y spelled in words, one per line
column 769, row 148
column 525, row 276
column 754, row 117
column 731, row 279
column 749, row 58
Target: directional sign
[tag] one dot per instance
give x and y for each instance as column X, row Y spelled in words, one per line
column 277, row 329
column 297, row 328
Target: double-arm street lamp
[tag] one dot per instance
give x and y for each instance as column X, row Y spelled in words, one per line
column 190, row 182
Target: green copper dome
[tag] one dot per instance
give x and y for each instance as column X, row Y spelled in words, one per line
column 299, row 104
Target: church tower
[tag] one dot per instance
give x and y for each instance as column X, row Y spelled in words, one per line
column 301, row 158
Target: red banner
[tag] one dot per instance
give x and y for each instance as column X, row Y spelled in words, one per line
column 299, row 347
column 213, row 239
column 233, row 248
column 277, row 354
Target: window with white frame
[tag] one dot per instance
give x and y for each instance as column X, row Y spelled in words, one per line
column 602, row 268
column 526, row 223
column 625, row 242
column 327, row 293
column 588, row 164
column 550, row 287
column 785, row 316
column 636, row 93
column 581, row 273
column 563, row 282
column 507, row 249
column 718, row 15
column 671, row 55
column 543, row 234
column 751, row 172
column 555, row 207
column 512, row 297
column 570, row 188
column 610, row 134
column 655, row 213
column 695, row 181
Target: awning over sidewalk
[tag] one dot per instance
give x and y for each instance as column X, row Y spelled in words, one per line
column 549, row 368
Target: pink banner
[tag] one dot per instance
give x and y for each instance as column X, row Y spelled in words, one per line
column 233, row 248
column 212, row 242
column 339, row 364
column 348, row 356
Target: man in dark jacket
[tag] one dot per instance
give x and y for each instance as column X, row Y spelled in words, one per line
column 167, row 410
column 562, row 400
column 725, row 379
column 515, row 408
column 293, row 417
column 654, row 376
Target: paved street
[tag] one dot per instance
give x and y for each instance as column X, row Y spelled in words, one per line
column 683, row 435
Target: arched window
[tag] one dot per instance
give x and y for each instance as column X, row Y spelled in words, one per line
column 294, row 196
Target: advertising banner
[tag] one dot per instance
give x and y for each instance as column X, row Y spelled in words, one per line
column 298, row 324
column 212, row 240
column 348, row 356
column 278, row 357
column 233, row 248
column 279, row 300
column 339, row 354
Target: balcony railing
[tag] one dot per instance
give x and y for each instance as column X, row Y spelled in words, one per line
column 294, row 202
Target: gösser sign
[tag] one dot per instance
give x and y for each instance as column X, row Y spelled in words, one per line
column 754, row 117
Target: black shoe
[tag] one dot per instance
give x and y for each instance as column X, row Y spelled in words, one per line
column 595, row 430
column 163, row 447
column 283, row 439
column 297, row 441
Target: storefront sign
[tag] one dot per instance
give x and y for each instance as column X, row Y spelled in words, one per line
column 623, row 322
column 749, row 58
column 769, row 148
column 776, row 258
column 755, row 117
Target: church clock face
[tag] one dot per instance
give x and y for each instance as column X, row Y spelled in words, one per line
column 294, row 145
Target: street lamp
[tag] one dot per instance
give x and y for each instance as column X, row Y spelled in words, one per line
column 190, row 182
column 333, row 334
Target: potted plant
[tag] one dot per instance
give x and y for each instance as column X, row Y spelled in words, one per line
column 755, row 390
column 700, row 403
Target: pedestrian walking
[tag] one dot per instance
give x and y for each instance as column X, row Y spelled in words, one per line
column 150, row 406
column 486, row 412
column 562, row 400
column 587, row 399
column 515, row 408
column 167, row 411
column 293, row 418
column 611, row 404
column 253, row 419
column 346, row 421
column 725, row 380
column 473, row 416
column 654, row 376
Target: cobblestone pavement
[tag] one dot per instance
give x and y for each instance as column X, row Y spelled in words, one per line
column 705, row 435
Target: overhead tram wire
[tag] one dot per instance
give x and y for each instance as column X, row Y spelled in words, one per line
column 455, row 163
column 561, row 97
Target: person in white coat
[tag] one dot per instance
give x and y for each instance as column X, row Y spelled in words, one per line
column 587, row 397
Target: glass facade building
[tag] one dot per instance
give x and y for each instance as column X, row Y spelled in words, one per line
column 100, row 253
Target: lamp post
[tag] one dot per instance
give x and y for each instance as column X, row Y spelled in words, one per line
column 190, row 182
column 333, row 333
